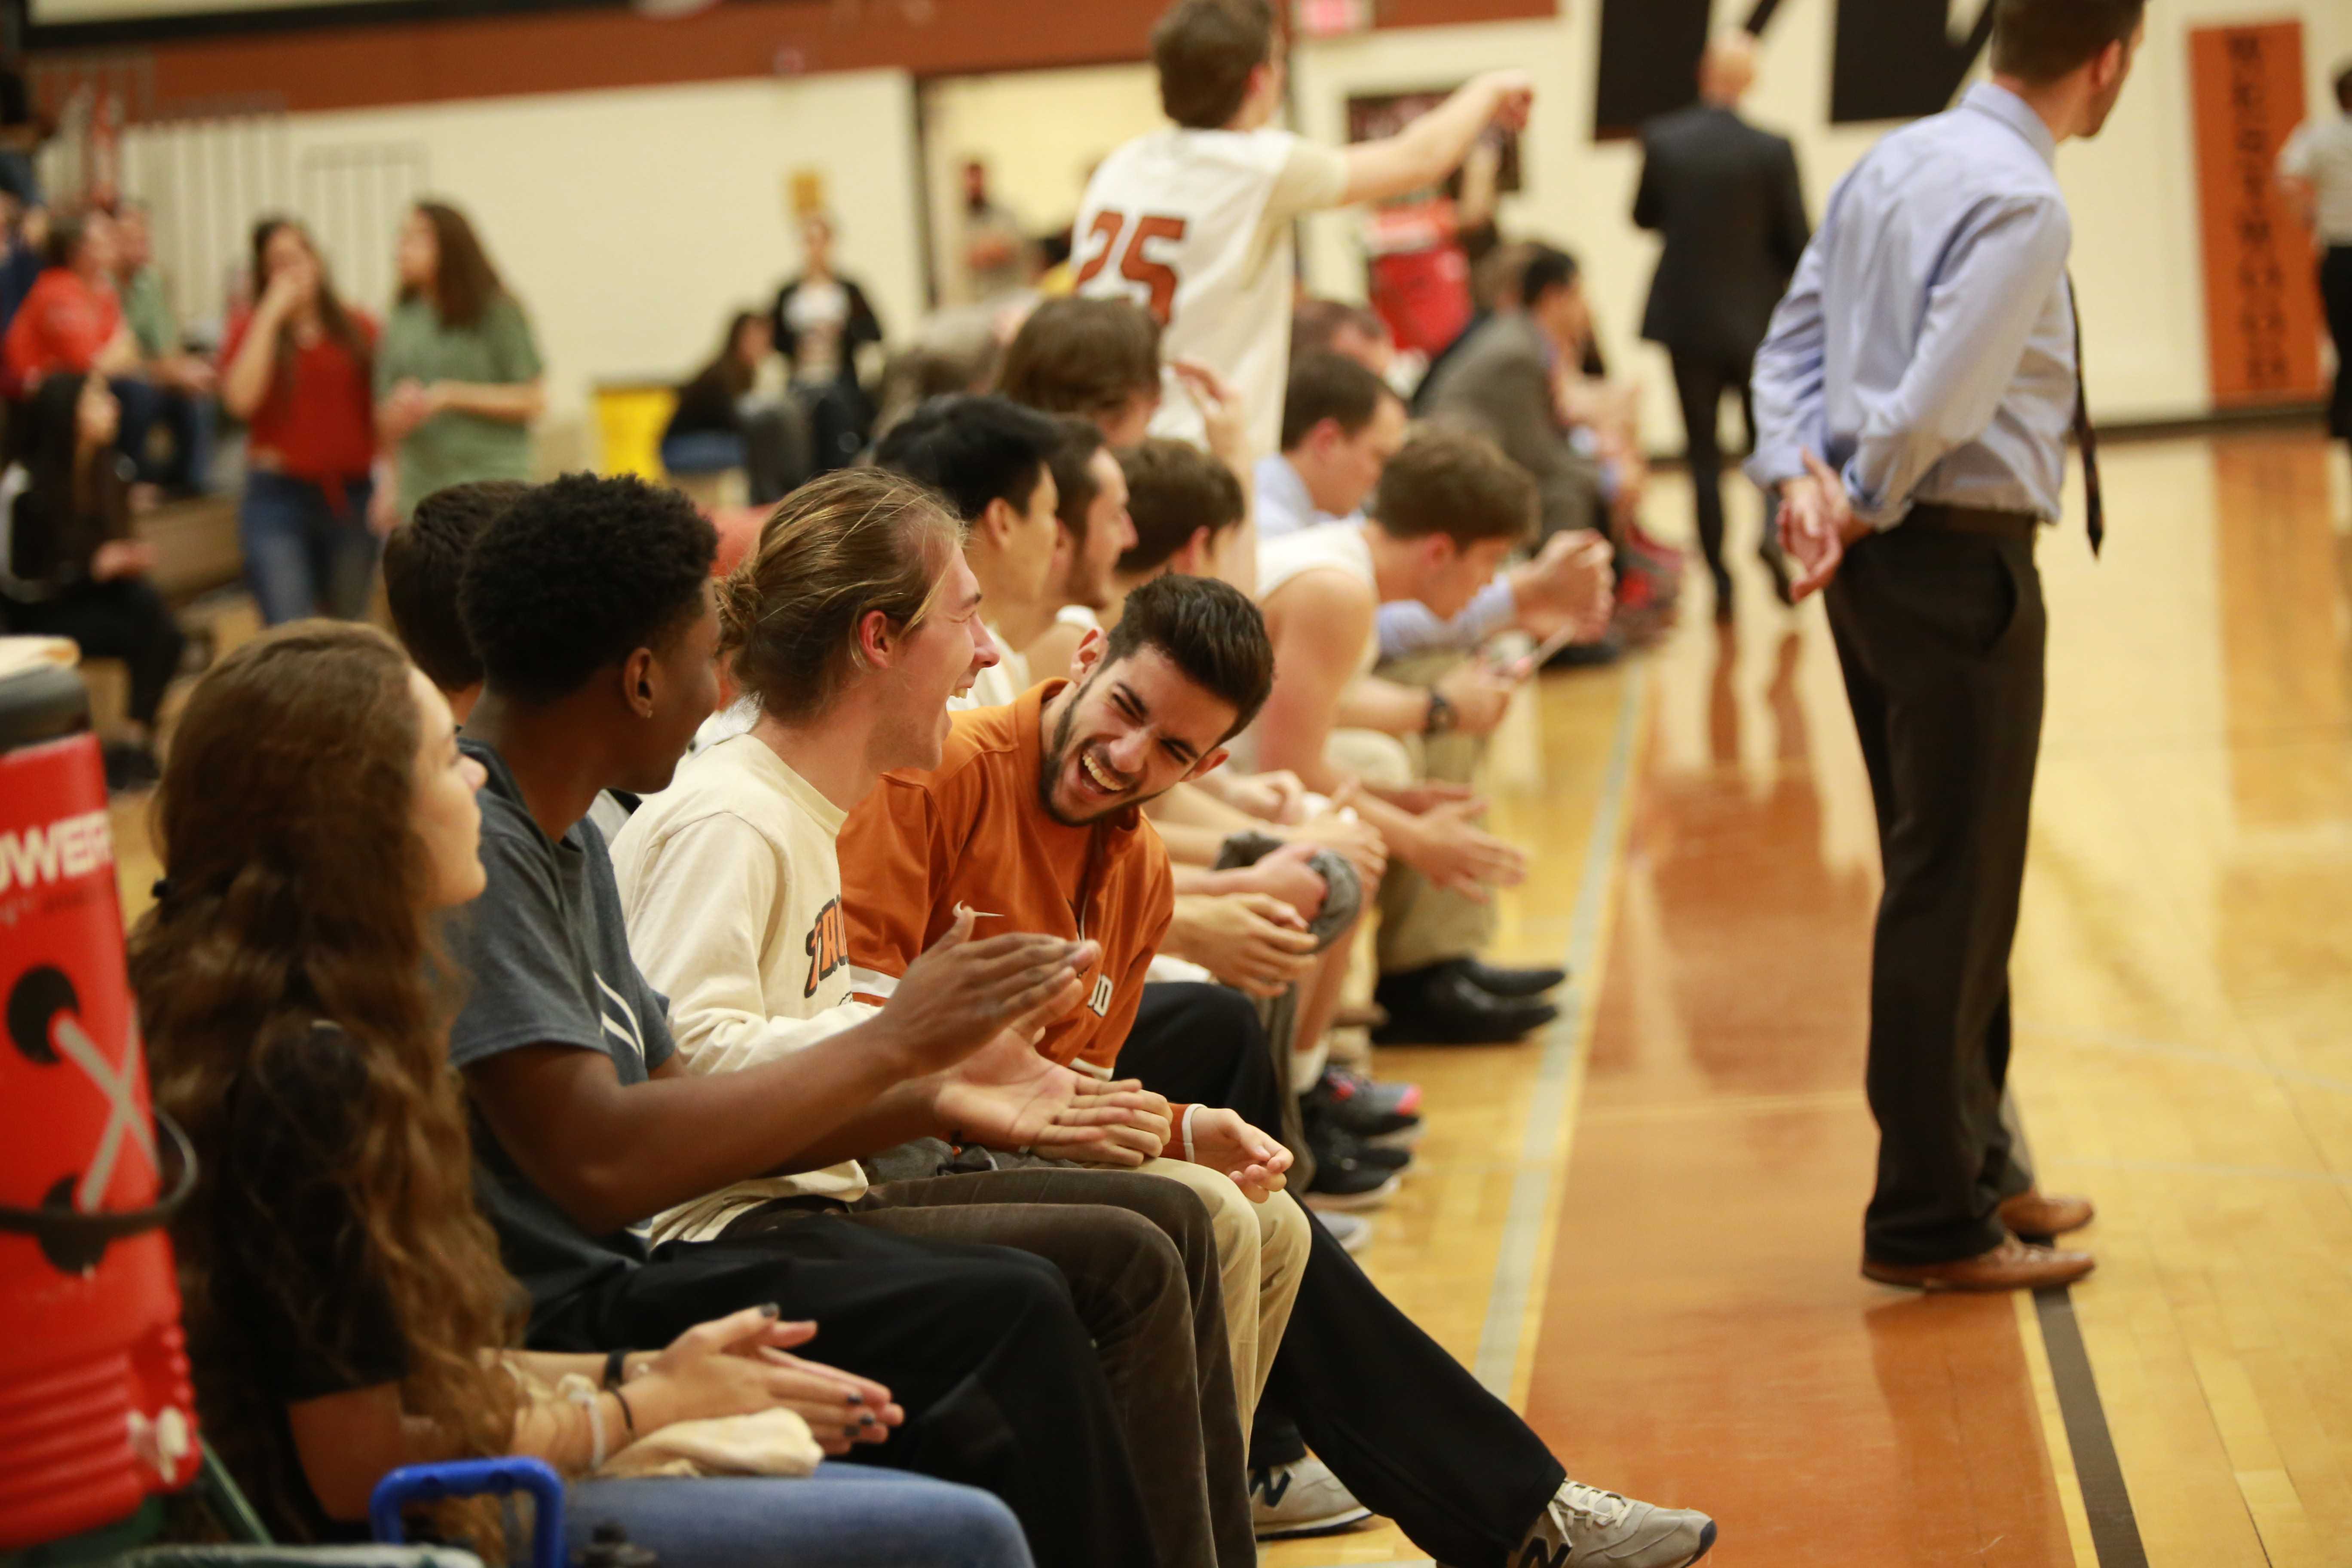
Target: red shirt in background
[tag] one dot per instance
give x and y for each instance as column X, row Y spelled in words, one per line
column 318, row 422
column 62, row 325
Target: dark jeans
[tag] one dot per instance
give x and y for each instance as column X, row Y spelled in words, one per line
column 124, row 619
column 980, row 1344
column 1700, row 382
column 2335, row 296
column 304, row 555
column 1141, row 1262
column 1940, row 636
column 1402, row 1423
column 770, row 445
column 186, row 418
column 842, row 1516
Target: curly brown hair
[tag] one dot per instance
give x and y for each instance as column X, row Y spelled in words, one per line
column 464, row 282
column 295, row 892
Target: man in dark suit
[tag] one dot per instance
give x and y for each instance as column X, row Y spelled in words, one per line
column 1726, row 197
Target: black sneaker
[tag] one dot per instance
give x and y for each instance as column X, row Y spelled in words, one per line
column 1334, row 1143
column 1356, row 1104
column 1498, row 979
column 1348, row 1183
column 1437, row 1004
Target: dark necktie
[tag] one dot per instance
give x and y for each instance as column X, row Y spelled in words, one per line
column 2085, row 436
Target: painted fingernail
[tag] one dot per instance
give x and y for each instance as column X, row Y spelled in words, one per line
column 771, row 1310
column 857, row 1399
column 867, row 1421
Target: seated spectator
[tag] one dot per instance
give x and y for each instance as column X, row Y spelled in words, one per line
column 424, row 563
column 1095, row 359
column 346, row 1307
column 822, row 322
column 1518, row 381
column 299, row 372
column 1034, row 807
column 993, row 459
column 1098, row 358
column 851, row 625
column 1352, row 331
column 183, row 383
column 68, row 564
column 457, row 375
column 1340, row 425
column 720, row 424
column 589, row 603
column 1449, row 507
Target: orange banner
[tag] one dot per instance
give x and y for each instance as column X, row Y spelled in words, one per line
column 2262, row 301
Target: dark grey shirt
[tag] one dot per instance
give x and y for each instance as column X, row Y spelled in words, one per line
column 546, row 958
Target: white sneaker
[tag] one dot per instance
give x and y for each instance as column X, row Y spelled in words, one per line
column 1353, row 1232
column 1582, row 1526
column 1303, row 1499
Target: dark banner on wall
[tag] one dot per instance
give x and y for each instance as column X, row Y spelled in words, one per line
column 1891, row 59
column 2261, row 305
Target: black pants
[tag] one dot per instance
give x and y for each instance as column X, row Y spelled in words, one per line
column 1402, row 1423
column 1700, row 382
column 1941, row 637
column 981, row 1345
column 1140, row 1256
column 124, row 619
column 2335, row 296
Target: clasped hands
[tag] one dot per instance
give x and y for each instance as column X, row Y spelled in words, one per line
column 1001, row 1094
column 1817, row 523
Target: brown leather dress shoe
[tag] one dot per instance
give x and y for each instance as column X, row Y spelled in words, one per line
column 2038, row 1217
column 2015, row 1265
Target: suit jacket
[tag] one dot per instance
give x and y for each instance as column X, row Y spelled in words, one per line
column 1497, row 383
column 1727, row 199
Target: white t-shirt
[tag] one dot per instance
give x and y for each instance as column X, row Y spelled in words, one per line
column 731, row 884
column 999, row 683
column 818, row 313
column 1328, row 546
column 1195, row 226
column 2321, row 152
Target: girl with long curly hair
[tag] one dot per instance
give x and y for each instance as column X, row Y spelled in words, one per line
column 346, row 1306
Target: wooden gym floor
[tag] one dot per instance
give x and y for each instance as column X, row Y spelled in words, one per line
column 1644, row 1229
column 1647, row 1229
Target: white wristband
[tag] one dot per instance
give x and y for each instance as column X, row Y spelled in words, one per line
column 578, row 1390
column 1190, row 1112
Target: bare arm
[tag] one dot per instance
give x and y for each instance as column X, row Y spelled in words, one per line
column 1321, row 622
column 246, row 380
column 1369, row 702
column 516, row 402
column 1433, row 146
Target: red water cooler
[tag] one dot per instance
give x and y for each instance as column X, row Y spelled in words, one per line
column 96, row 1412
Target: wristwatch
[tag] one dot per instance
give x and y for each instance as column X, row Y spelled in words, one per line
column 1441, row 715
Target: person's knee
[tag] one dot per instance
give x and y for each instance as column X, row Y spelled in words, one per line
column 1284, row 1237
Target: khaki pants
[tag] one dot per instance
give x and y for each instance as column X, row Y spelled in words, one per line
column 1261, row 1253
column 1420, row 925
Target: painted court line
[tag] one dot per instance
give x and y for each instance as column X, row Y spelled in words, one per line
column 1559, row 1079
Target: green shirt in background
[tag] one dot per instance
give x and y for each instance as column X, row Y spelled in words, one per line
column 451, row 447
column 150, row 315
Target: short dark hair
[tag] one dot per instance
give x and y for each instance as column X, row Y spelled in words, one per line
column 1457, row 484
column 1074, row 480
column 1088, row 357
column 1325, row 385
column 2041, row 40
column 2344, row 88
column 1315, row 324
column 424, row 560
column 1204, row 51
column 973, row 449
column 1209, row 630
column 1549, row 267
column 1174, row 488
column 576, row 575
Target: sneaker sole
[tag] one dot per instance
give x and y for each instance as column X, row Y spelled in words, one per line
column 1333, row 1524
column 1348, row 1203
column 1403, row 1138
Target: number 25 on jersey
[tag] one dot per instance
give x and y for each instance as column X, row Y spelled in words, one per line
column 1148, row 239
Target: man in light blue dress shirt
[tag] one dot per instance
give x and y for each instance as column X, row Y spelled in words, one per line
column 1914, row 397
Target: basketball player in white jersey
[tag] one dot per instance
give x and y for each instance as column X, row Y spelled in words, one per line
column 1194, row 221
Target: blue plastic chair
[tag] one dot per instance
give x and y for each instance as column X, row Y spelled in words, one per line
column 476, row 1478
